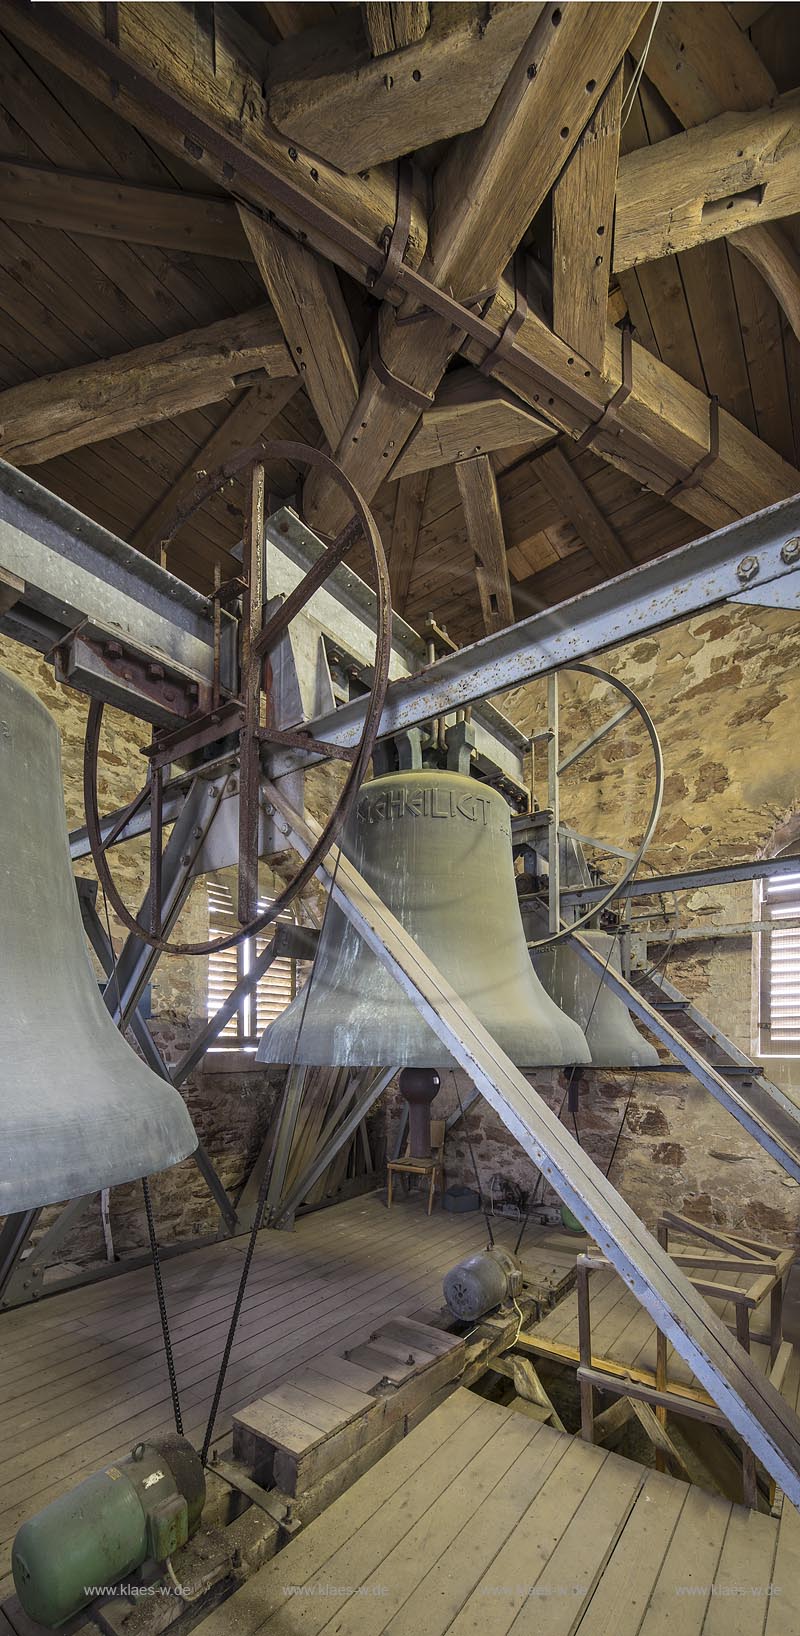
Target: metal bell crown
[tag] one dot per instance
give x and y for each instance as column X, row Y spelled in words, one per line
column 79, row 1111
column 436, row 847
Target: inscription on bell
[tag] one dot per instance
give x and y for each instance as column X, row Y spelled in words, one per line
column 424, row 803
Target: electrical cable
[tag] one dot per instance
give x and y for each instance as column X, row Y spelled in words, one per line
column 486, row 1215
column 630, row 94
column 259, row 1210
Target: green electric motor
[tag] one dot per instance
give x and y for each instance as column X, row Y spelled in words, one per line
column 142, row 1509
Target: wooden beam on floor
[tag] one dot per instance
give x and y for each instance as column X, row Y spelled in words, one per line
column 735, row 171
column 409, row 506
column 307, row 297
column 109, row 208
column 391, row 24
column 359, row 109
column 167, row 47
column 49, row 416
column 478, row 490
column 248, row 420
column 583, row 220
column 574, row 501
column 505, row 169
column 471, row 415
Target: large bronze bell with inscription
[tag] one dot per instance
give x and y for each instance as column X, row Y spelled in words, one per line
column 79, row 1111
column 436, row 847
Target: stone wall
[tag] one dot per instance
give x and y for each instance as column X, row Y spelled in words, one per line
column 724, row 691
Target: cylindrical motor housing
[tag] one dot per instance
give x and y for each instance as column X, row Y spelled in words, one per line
column 482, row 1282
column 145, row 1507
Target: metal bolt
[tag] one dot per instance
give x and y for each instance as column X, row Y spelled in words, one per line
column 156, row 671
column 113, row 650
column 790, row 552
column 747, row 569
column 197, row 833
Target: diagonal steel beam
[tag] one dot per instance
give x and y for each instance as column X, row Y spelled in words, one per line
column 766, row 1114
column 747, row 1399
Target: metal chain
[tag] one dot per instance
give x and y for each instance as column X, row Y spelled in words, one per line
column 162, row 1307
column 259, row 1211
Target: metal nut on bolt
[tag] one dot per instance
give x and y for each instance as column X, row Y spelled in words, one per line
column 747, row 569
column 790, row 552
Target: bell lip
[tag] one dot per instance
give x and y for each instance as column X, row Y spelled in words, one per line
column 29, row 1198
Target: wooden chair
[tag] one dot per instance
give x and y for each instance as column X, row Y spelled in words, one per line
column 432, row 1167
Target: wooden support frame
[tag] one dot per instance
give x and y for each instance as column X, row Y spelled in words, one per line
column 583, row 221
column 477, row 487
column 656, row 1392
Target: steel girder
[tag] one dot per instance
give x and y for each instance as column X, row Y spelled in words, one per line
column 747, row 1399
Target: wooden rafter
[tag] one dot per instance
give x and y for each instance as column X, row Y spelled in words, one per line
column 358, row 110
column 471, row 415
column 583, row 219
column 662, row 426
column 224, row 91
column 736, row 171
column 391, row 24
column 574, row 501
column 49, row 416
column 703, row 65
column 109, row 208
column 408, row 509
column 664, row 423
column 307, row 297
column 512, row 162
column 248, row 420
column 478, row 490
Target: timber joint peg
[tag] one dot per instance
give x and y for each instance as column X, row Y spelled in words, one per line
column 747, row 569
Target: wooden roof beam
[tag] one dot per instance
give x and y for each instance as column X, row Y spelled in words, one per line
column 391, row 24
column 109, row 208
column 574, row 501
column 307, row 297
column 327, row 91
column 245, row 423
column 703, row 65
column 56, row 413
column 736, row 171
column 478, row 490
column 471, row 414
column 583, row 220
column 505, row 170
column 165, row 48
column 409, row 505
column 661, row 429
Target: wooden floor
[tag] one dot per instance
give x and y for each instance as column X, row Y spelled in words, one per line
column 483, row 1522
column 83, row 1374
column 623, row 1331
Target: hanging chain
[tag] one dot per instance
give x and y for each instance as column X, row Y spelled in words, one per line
column 162, row 1308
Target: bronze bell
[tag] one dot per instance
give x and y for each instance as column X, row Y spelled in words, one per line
column 609, row 1029
column 80, row 1111
column 436, row 846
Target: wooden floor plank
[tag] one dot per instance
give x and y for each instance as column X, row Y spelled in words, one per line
column 783, row 1613
column 682, row 1593
column 618, row 1604
column 743, row 1580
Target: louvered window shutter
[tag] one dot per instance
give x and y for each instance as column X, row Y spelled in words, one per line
column 780, row 967
column 275, row 989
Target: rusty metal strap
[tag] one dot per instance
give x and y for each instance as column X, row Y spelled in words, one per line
column 614, row 404
column 403, row 389
column 514, row 322
column 706, row 459
column 396, row 237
